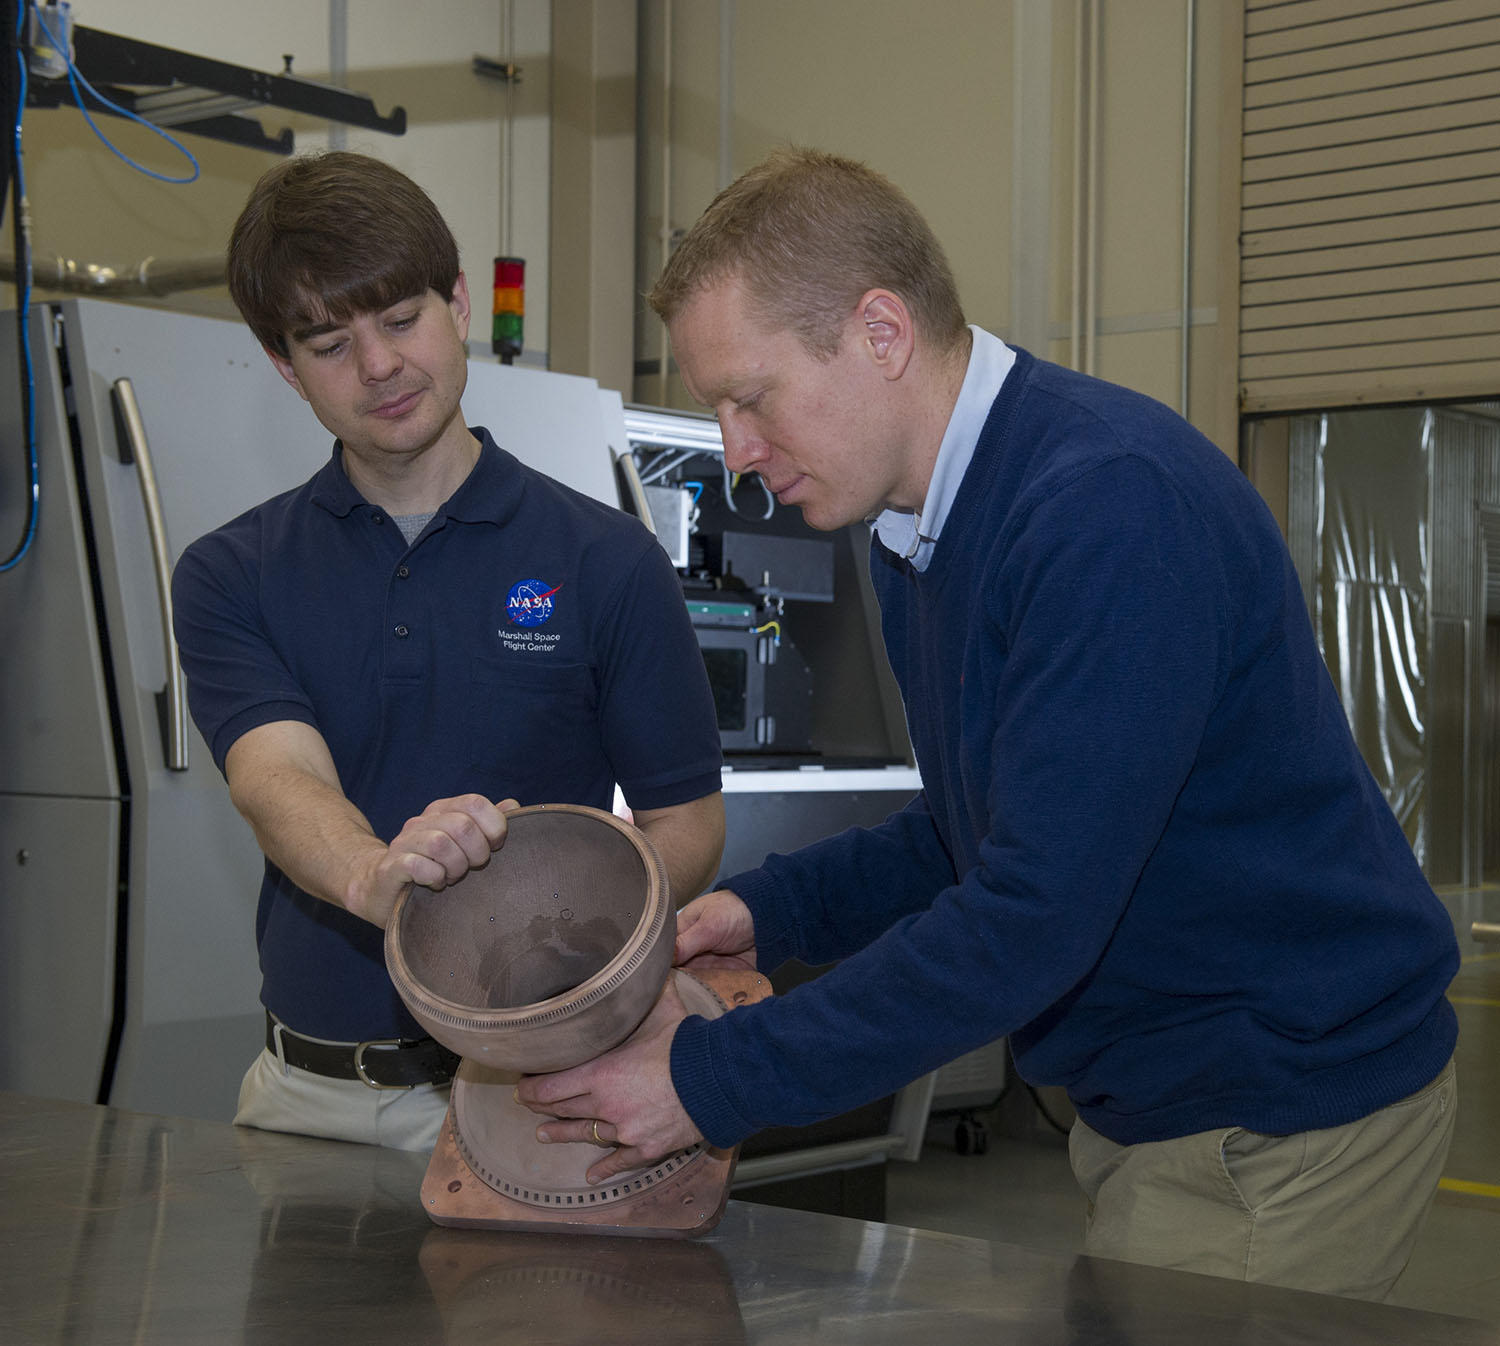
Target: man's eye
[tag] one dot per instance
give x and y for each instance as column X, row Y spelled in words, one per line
column 322, row 352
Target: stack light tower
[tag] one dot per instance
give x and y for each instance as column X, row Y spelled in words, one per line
column 508, row 330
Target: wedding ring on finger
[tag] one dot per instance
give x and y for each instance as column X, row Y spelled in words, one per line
column 598, row 1139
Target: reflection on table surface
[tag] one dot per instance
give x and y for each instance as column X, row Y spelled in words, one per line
column 122, row 1227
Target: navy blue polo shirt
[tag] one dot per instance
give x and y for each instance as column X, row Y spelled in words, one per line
column 531, row 643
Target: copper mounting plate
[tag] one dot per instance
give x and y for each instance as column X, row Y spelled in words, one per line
column 488, row 1171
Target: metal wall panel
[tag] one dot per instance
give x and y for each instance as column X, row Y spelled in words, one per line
column 1454, row 469
column 1488, row 765
column 54, row 734
column 1449, row 854
column 1305, row 503
column 59, row 857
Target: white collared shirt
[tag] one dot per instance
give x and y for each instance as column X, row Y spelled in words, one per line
column 913, row 535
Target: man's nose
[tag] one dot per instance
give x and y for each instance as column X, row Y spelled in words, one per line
column 742, row 448
column 378, row 359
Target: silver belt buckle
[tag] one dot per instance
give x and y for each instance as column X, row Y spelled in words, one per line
column 359, row 1063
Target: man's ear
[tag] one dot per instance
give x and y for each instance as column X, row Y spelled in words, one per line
column 458, row 306
column 886, row 331
column 284, row 368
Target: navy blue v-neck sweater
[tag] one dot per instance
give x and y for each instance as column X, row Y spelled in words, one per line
column 1147, row 847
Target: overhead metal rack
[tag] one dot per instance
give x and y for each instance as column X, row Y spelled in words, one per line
column 203, row 96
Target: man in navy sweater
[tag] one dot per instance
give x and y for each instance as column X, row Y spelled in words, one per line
column 1146, row 848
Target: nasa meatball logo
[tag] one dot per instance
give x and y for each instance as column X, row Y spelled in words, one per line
column 529, row 602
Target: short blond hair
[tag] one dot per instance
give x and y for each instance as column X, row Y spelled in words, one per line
column 807, row 233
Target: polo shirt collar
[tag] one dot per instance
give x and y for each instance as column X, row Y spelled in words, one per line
column 488, row 494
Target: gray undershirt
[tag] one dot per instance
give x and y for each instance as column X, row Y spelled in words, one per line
column 411, row 525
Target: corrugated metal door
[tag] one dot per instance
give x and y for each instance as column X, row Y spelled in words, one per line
column 1370, row 202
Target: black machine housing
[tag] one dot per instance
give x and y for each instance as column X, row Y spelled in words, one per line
column 784, row 615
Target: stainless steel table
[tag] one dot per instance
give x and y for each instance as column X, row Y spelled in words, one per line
column 123, row 1227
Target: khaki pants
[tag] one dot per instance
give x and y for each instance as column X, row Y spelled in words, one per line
column 275, row 1097
column 1336, row 1210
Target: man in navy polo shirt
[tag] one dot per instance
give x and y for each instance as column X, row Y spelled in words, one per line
column 388, row 658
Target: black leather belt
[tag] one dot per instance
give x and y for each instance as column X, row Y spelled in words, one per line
column 382, row 1063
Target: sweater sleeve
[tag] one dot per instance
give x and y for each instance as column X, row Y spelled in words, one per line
column 1102, row 616
column 832, row 898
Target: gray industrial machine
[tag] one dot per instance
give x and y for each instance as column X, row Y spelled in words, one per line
column 785, row 615
column 127, row 880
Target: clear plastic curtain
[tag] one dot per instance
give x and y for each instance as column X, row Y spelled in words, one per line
column 1373, row 482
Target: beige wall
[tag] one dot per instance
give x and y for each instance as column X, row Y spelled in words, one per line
column 89, row 207
column 592, row 292
column 969, row 105
column 921, row 93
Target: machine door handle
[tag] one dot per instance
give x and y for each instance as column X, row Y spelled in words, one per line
column 637, row 493
column 171, row 701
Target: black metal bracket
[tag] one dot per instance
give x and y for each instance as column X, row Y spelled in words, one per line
column 507, row 72
column 203, row 96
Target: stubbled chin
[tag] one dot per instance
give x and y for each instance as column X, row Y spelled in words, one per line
column 825, row 521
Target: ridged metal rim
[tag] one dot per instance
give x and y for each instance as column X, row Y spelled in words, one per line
column 624, row 1188
column 619, row 969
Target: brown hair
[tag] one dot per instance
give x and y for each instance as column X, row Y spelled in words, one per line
column 324, row 237
column 808, row 233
